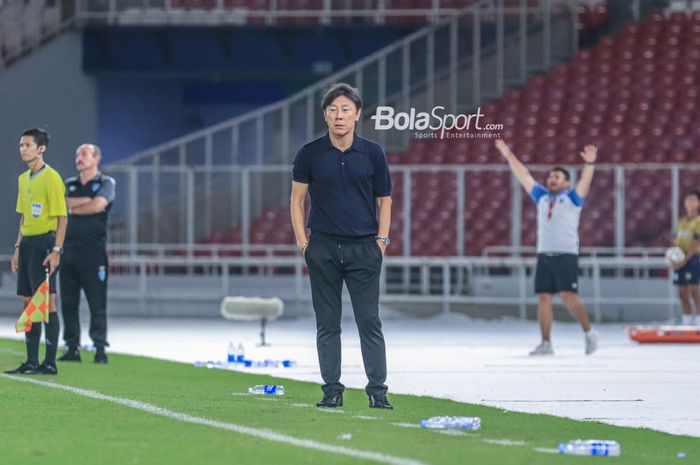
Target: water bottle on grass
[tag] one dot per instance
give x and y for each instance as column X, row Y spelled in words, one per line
column 270, row 389
column 470, row 423
column 598, row 447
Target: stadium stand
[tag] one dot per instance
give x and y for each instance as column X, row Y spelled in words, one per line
column 633, row 95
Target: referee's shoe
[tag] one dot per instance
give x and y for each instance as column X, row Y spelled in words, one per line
column 32, row 369
column 24, row 369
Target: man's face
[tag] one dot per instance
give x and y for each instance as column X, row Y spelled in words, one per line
column 85, row 158
column 556, row 181
column 692, row 203
column 341, row 116
column 28, row 149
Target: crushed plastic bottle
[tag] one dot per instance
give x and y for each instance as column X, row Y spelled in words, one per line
column 597, row 447
column 270, row 389
column 471, row 423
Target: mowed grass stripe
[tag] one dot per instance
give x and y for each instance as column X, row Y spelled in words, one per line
column 266, row 434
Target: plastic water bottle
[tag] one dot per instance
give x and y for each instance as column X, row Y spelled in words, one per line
column 202, row 364
column 231, row 357
column 598, row 447
column 240, row 353
column 471, row 423
column 271, row 389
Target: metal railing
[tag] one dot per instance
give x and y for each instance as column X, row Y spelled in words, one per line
column 226, row 12
column 448, row 282
column 165, row 205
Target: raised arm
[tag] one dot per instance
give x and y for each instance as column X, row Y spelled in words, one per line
column 519, row 170
column 299, row 190
column 589, row 155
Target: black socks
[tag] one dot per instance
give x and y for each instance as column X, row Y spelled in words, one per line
column 52, row 330
column 33, row 338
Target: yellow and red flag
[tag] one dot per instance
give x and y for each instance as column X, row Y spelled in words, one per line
column 36, row 311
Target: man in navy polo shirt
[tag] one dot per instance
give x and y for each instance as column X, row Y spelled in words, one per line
column 348, row 180
column 558, row 213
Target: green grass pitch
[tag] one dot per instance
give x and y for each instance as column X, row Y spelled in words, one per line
column 44, row 425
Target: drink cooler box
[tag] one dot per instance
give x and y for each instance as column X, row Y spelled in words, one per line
column 664, row 334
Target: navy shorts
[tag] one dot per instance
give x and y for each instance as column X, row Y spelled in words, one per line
column 689, row 275
column 556, row 273
column 33, row 250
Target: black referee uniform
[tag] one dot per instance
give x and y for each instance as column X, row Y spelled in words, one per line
column 85, row 265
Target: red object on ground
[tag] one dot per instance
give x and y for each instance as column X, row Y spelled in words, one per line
column 664, row 334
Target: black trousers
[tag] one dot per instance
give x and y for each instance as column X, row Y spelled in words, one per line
column 357, row 263
column 84, row 269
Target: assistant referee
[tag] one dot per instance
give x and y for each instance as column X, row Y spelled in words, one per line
column 42, row 226
column 89, row 199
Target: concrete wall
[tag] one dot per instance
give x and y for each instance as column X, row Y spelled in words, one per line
column 48, row 90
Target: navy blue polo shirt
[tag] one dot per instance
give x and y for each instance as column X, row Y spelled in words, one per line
column 343, row 186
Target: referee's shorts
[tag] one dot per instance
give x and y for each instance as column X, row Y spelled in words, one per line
column 556, row 272
column 33, row 250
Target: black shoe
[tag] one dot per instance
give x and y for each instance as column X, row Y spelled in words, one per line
column 379, row 401
column 47, row 369
column 71, row 355
column 24, row 369
column 331, row 400
column 101, row 356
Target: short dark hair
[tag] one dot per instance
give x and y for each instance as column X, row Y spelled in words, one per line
column 40, row 136
column 563, row 171
column 341, row 89
column 694, row 192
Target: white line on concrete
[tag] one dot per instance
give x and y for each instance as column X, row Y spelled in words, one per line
column 265, row 434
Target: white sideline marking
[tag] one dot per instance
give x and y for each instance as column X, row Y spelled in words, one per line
column 11, row 351
column 453, row 432
column 546, row 450
column 504, row 442
column 406, row 425
column 261, row 433
column 366, row 417
column 299, row 404
column 329, row 410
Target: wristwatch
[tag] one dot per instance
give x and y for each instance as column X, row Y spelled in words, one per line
column 58, row 250
column 384, row 239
